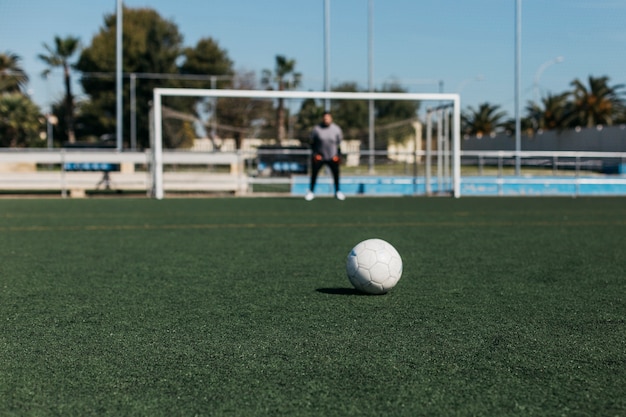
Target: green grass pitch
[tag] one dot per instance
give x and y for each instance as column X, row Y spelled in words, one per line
column 241, row 307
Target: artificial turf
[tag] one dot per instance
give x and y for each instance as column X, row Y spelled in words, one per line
column 241, row 307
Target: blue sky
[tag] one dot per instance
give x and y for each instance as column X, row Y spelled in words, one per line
column 467, row 45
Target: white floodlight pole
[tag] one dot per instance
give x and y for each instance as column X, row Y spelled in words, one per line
column 118, row 75
column 518, row 85
column 370, row 60
column 214, row 113
column 540, row 71
column 327, row 51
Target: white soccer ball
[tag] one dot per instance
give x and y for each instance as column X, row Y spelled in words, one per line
column 374, row 266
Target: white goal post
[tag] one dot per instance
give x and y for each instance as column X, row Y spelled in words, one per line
column 436, row 98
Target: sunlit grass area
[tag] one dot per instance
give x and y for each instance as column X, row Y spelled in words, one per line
column 241, row 306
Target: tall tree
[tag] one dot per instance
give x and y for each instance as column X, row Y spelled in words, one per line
column 207, row 58
column 483, row 120
column 284, row 77
column 309, row 115
column 351, row 115
column 242, row 117
column 59, row 55
column 13, row 79
column 210, row 61
column 595, row 104
column 152, row 45
column 394, row 118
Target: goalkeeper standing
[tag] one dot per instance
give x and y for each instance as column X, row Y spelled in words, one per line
column 325, row 140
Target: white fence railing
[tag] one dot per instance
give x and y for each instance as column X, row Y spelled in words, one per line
column 237, row 171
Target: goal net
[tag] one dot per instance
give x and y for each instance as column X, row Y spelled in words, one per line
column 438, row 135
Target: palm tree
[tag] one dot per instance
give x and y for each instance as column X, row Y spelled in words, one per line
column 284, row 77
column 484, row 120
column 554, row 112
column 59, row 56
column 13, row 79
column 20, row 121
column 596, row 104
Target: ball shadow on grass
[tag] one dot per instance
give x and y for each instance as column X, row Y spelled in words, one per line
column 340, row 291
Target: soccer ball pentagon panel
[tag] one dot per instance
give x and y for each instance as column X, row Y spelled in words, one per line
column 374, row 266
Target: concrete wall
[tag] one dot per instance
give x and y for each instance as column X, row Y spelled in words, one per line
column 600, row 139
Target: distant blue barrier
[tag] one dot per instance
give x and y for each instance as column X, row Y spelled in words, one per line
column 543, row 186
column 91, row 166
column 470, row 186
column 366, row 185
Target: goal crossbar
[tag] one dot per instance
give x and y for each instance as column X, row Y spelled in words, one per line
column 159, row 93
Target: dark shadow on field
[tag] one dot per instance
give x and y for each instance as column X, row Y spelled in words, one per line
column 340, row 291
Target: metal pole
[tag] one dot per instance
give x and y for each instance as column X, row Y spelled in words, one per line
column 327, row 51
column 50, row 131
column 133, row 111
column 118, row 76
column 214, row 115
column 518, row 85
column 370, row 59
